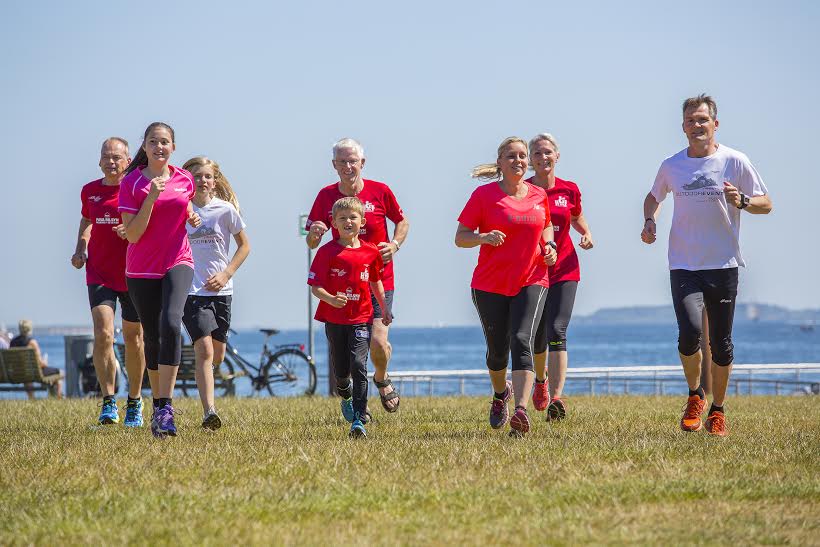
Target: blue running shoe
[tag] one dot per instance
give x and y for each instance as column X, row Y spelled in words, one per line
column 133, row 413
column 357, row 430
column 109, row 414
column 162, row 423
column 347, row 410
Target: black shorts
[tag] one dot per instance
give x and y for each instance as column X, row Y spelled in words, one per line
column 377, row 310
column 100, row 295
column 207, row 316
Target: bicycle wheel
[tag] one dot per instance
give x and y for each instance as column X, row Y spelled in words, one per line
column 289, row 373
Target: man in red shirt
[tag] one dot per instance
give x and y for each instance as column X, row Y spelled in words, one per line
column 101, row 248
column 380, row 205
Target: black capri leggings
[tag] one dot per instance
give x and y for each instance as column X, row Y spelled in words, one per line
column 715, row 289
column 349, row 345
column 509, row 324
column 557, row 312
column 160, row 304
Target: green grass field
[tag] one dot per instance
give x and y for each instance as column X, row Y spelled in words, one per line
column 284, row 471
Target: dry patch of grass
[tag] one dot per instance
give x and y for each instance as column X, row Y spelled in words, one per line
column 284, row 471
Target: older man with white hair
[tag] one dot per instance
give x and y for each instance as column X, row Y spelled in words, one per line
column 380, row 205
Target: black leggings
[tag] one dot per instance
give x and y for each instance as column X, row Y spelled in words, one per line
column 160, row 304
column 348, row 346
column 557, row 312
column 509, row 324
column 715, row 289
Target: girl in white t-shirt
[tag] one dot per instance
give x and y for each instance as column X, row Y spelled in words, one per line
column 207, row 315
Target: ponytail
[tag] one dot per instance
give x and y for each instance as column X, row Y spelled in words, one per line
column 222, row 188
column 491, row 171
column 141, row 159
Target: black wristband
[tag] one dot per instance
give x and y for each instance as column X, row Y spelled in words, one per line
column 648, row 219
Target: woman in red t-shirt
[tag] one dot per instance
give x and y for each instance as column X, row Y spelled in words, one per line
column 565, row 211
column 509, row 218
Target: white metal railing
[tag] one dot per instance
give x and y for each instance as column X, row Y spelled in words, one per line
column 605, row 378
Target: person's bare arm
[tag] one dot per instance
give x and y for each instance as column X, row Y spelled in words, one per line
column 651, row 207
column 243, row 249
column 80, row 256
column 467, row 238
column 581, row 226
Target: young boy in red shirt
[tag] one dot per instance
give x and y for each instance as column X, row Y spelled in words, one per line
column 342, row 276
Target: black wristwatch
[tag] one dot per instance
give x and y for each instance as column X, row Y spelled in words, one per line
column 552, row 244
column 744, row 201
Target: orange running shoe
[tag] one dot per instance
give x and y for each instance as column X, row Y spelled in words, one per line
column 691, row 414
column 716, row 424
column 540, row 396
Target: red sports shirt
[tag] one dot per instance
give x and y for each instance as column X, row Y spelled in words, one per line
column 379, row 205
column 519, row 261
column 347, row 271
column 106, row 250
column 565, row 202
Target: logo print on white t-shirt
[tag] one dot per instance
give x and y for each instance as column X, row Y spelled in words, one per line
column 701, row 182
column 561, row 201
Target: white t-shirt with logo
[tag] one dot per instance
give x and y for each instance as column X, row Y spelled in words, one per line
column 211, row 243
column 705, row 230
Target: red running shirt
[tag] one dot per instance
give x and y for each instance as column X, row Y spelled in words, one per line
column 519, row 261
column 106, row 250
column 347, row 271
column 379, row 205
column 164, row 244
column 565, row 203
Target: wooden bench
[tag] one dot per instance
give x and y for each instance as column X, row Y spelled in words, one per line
column 224, row 376
column 20, row 366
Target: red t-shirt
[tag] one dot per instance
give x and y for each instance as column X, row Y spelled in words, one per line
column 379, row 205
column 164, row 244
column 106, row 250
column 519, row 261
column 565, row 203
column 347, row 271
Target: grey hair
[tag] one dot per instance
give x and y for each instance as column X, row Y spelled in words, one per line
column 116, row 139
column 543, row 137
column 348, row 144
column 695, row 102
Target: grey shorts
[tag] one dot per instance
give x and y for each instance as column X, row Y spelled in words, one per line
column 377, row 310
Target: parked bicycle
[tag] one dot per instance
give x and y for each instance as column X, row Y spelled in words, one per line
column 284, row 370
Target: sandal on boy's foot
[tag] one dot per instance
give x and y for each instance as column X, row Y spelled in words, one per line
column 357, row 429
column 367, row 417
column 540, row 396
column 347, row 410
column 499, row 413
column 557, row 410
column 392, row 396
column 519, row 423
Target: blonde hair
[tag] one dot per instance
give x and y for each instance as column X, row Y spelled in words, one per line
column 491, row 171
column 348, row 144
column 543, row 137
column 25, row 327
column 222, row 188
column 351, row 203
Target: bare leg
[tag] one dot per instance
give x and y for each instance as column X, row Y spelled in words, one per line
column 499, row 380
column 557, row 365
column 706, row 364
column 522, row 386
column 167, row 380
column 720, row 382
column 380, row 353
column 153, row 380
column 134, row 357
column 105, row 362
column 691, row 368
column 204, row 372
column 539, row 362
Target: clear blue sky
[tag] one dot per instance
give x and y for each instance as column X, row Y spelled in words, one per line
column 430, row 89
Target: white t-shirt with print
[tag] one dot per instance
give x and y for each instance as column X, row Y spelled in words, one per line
column 211, row 243
column 705, row 230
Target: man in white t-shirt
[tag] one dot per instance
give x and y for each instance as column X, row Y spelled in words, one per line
column 712, row 184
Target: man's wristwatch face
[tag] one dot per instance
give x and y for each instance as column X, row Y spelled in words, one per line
column 744, row 201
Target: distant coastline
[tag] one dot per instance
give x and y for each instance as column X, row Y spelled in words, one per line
column 638, row 315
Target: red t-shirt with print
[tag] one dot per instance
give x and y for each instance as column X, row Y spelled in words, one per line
column 519, row 261
column 106, row 250
column 565, row 202
column 379, row 205
column 346, row 271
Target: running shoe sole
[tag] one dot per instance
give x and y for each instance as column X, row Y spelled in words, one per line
column 556, row 411
column 212, row 422
column 519, row 424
